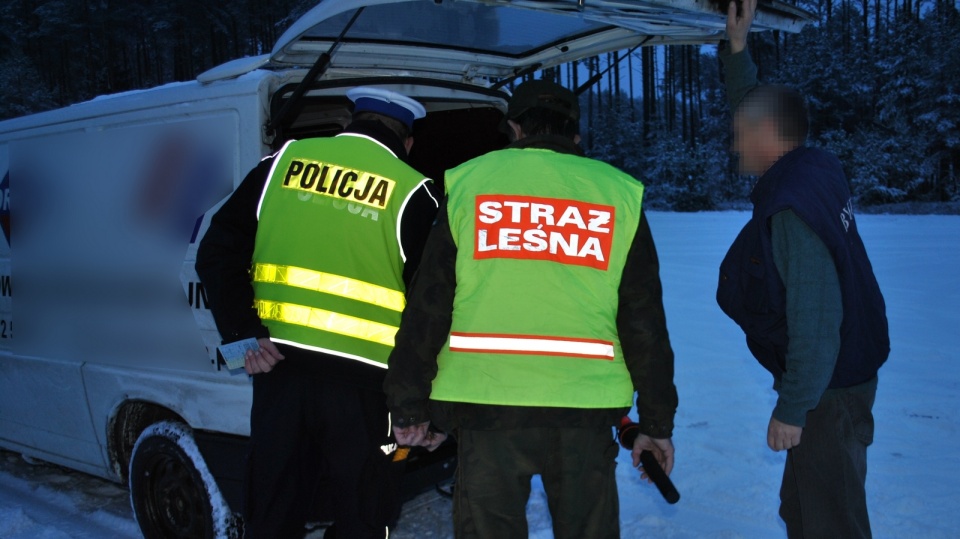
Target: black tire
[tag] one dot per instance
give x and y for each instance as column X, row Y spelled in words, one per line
column 172, row 493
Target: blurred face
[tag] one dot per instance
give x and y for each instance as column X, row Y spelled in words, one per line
column 757, row 142
column 746, row 145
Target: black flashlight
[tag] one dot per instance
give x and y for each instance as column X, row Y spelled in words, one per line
column 626, row 433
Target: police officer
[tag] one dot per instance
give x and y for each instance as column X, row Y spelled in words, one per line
column 311, row 256
column 536, row 315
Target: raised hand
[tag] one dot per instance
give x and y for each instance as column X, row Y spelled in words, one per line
column 738, row 26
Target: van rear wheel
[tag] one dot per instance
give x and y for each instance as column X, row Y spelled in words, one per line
column 172, row 493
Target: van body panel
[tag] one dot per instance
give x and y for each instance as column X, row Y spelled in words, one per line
column 14, row 439
column 43, row 409
column 209, row 401
column 113, row 196
column 103, row 219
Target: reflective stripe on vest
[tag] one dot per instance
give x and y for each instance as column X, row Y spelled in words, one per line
column 324, row 320
column 329, row 283
column 531, row 344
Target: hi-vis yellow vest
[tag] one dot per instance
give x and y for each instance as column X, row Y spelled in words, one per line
column 328, row 265
column 542, row 238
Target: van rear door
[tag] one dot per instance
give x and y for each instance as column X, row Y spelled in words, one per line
column 476, row 41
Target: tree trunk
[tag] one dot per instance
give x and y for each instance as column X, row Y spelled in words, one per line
column 633, row 109
column 647, row 88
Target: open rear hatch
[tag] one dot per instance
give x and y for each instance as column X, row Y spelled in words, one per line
column 481, row 42
column 456, row 55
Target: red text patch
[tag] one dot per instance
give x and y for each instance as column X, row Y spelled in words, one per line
column 534, row 228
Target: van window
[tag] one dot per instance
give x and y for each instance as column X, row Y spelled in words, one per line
column 465, row 26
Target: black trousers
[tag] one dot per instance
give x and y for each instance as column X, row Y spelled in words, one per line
column 577, row 466
column 315, row 453
column 823, row 494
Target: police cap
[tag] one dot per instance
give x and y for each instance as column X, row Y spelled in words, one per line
column 387, row 103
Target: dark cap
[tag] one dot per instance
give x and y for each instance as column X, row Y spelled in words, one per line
column 543, row 94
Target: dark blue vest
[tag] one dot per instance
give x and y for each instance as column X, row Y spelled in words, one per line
column 810, row 182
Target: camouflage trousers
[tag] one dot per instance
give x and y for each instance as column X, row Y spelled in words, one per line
column 577, row 466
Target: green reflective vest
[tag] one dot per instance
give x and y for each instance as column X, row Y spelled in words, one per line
column 542, row 239
column 328, row 265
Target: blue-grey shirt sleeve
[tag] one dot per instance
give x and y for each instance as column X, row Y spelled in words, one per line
column 814, row 315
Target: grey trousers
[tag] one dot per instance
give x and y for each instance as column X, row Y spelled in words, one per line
column 577, row 466
column 823, row 494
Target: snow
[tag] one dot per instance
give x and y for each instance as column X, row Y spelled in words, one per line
column 48, row 502
column 727, row 478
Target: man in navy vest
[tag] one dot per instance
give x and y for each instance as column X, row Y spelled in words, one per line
column 798, row 282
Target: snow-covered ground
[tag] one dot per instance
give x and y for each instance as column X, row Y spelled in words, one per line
column 727, row 478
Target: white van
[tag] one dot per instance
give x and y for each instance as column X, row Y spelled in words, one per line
column 113, row 368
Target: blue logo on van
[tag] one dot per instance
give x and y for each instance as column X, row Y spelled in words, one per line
column 5, row 206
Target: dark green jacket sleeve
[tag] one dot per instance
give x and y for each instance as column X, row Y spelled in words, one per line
column 814, row 315
column 642, row 328
column 424, row 327
column 740, row 75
